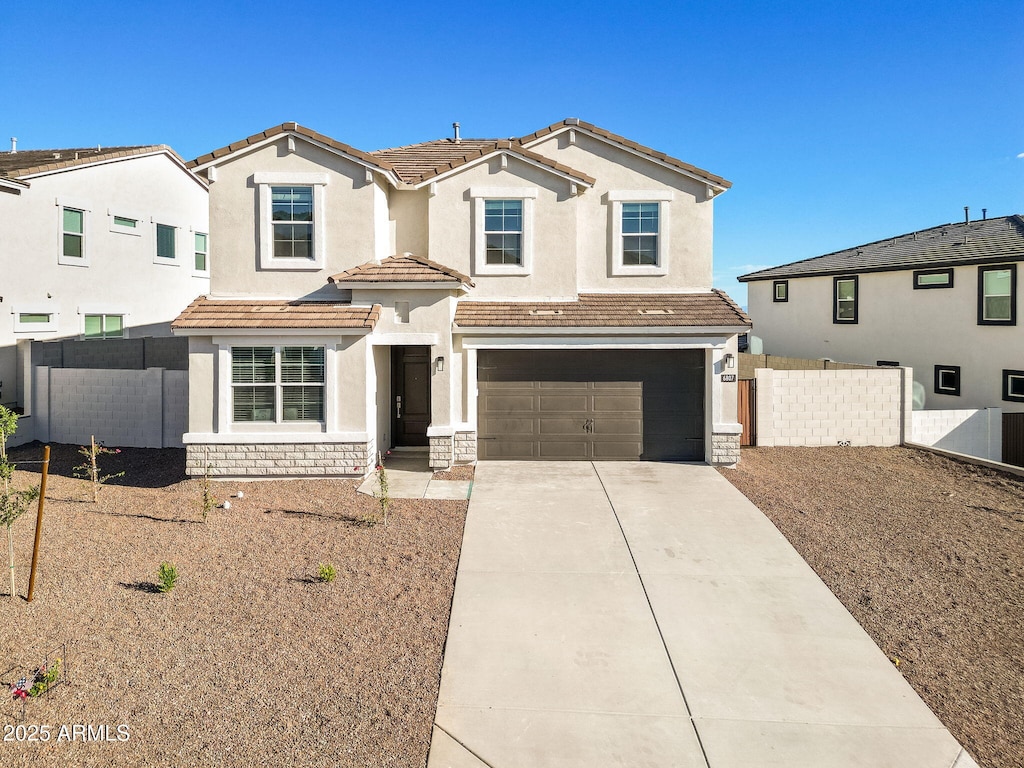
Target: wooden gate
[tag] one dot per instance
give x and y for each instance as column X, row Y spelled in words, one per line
column 1013, row 438
column 746, row 408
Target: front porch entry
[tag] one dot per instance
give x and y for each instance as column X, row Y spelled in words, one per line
column 410, row 395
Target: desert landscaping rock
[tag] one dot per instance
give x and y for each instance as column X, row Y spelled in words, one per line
column 249, row 660
column 927, row 553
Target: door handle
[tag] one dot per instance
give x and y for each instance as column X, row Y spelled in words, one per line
column 588, row 425
column 398, row 406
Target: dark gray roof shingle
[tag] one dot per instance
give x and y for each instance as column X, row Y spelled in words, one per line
column 975, row 242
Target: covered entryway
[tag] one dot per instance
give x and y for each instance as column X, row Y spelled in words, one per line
column 410, row 388
column 591, row 404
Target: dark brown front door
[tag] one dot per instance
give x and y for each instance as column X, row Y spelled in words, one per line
column 410, row 387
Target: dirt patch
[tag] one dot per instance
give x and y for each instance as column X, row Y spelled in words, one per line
column 249, row 660
column 928, row 555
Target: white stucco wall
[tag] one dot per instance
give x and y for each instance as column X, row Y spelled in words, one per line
column 916, row 328
column 119, row 274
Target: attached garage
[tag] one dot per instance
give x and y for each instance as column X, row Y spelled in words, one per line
column 591, row 404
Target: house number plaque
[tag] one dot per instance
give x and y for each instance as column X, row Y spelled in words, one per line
column 728, row 377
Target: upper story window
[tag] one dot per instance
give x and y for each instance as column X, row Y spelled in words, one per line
column 166, row 243
column 503, row 230
column 844, row 299
column 780, row 290
column 997, row 295
column 201, row 255
column 293, row 228
column 933, row 278
column 74, row 225
column 640, row 220
column 1013, row 386
column 277, row 384
column 34, row 319
column 947, row 380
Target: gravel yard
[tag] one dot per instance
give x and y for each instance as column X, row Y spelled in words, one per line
column 928, row 554
column 248, row 661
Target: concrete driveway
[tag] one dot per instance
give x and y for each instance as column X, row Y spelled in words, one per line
column 640, row 614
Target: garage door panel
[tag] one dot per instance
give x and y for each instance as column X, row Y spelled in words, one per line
column 553, row 426
column 605, row 426
column 509, row 426
column 552, row 404
column 627, row 404
column 564, row 449
column 618, row 450
column 521, row 404
column 507, row 449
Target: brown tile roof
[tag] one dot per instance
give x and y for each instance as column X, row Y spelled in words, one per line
column 572, row 122
column 205, row 312
column 256, row 138
column 25, row 162
column 401, row 269
column 417, row 163
column 614, row 310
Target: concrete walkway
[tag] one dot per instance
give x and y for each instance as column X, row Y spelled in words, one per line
column 639, row 614
column 410, row 477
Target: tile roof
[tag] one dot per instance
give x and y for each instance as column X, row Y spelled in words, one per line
column 417, row 163
column 205, row 312
column 290, row 127
column 976, row 242
column 26, row 162
column 401, row 269
column 572, row 122
column 614, row 310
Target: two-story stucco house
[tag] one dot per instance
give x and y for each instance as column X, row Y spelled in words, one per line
column 96, row 243
column 547, row 297
column 943, row 301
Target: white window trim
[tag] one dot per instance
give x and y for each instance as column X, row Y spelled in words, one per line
column 267, row 179
column 71, row 261
column 225, row 423
column 103, row 309
column 136, row 231
column 479, row 196
column 199, row 272
column 617, row 198
column 35, row 309
column 178, row 229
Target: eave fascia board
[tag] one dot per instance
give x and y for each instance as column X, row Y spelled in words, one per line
column 223, row 332
column 497, row 152
column 365, row 285
column 998, row 259
column 391, row 177
column 583, row 331
column 657, row 161
column 13, row 184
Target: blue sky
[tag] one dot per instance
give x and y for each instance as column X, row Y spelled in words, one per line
column 838, row 123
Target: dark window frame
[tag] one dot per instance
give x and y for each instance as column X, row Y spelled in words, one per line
column 937, row 387
column 775, row 291
column 1013, row 294
column 1007, row 396
column 835, row 300
column 921, row 272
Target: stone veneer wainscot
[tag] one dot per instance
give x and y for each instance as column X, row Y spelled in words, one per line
column 355, row 459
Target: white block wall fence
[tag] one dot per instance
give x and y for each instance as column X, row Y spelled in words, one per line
column 974, row 432
column 139, row 409
column 856, row 407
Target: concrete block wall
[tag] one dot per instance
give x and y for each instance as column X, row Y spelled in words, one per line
column 867, row 406
column 130, row 354
column 749, row 363
column 975, row 432
column 122, row 408
column 354, row 459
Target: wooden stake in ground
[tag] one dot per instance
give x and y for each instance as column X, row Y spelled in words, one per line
column 39, row 523
column 94, row 471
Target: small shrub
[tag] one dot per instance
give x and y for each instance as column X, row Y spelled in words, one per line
column 90, row 470
column 167, row 576
column 207, row 501
column 326, row 573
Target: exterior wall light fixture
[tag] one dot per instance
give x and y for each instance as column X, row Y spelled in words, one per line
column 440, row 364
column 730, row 360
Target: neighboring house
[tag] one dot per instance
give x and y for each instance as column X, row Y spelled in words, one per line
column 96, row 243
column 547, row 297
column 944, row 301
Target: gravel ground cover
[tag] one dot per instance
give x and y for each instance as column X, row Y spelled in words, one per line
column 927, row 553
column 249, row 660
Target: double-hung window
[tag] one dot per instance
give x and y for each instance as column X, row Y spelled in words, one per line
column 104, row 327
column 166, row 243
column 503, row 230
column 292, row 219
column 844, row 299
column 277, row 384
column 73, row 246
column 997, row 295
column 201, row 263
column 640, row 234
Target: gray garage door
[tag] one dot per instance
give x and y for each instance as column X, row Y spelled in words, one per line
column 599, row 404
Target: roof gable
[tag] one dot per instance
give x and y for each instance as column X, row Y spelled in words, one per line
column 26, row 164
column 572, row 123
column 975, row 242
column 401, row 269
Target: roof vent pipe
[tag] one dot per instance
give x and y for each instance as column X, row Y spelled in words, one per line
column 14, row 144
column 984, row 214
column 967, row 214
column 458, row 139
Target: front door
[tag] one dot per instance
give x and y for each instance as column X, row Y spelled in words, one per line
column 410, row 387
